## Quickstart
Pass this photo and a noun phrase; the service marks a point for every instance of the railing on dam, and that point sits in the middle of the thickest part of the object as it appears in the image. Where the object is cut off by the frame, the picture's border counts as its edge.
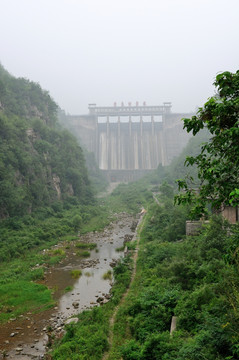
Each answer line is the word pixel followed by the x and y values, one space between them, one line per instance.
pixel 129 110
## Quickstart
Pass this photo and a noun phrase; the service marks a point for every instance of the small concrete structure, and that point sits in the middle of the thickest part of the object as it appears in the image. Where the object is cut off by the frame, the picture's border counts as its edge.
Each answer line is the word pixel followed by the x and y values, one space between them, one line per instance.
pixel 231 214
pixel 194 227
pixel 173 324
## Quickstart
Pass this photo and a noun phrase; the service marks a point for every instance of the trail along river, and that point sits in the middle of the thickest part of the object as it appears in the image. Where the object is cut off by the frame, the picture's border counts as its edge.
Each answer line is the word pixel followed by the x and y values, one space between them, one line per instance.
pixel 26 337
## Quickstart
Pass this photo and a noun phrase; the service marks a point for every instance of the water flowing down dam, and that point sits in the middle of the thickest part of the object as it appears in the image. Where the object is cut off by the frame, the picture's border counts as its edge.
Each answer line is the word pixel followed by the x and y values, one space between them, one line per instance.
pixel 129 146
pixel 129 141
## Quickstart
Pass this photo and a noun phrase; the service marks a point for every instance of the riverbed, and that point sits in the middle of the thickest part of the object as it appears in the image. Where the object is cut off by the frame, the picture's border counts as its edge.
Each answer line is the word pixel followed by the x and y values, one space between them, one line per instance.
pixel 26 337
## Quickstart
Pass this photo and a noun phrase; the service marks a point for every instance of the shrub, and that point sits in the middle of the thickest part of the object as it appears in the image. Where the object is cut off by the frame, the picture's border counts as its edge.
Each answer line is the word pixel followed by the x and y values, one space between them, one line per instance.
pixel 76 274
pixel 83 253
pixel 107 275
pixel 68 288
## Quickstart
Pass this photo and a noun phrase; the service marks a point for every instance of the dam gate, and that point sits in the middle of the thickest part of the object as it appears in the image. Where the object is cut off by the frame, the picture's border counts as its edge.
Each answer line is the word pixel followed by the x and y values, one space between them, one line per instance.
pixel 129 141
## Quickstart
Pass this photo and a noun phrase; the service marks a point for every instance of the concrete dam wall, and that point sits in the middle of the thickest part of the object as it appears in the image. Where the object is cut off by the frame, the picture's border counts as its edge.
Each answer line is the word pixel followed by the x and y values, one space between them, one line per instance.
pixel 129 146
pixel 130 141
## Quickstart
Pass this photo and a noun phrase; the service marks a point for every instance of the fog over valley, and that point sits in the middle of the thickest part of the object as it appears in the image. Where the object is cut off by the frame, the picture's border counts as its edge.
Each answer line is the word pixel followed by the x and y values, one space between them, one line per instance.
pixel 130 50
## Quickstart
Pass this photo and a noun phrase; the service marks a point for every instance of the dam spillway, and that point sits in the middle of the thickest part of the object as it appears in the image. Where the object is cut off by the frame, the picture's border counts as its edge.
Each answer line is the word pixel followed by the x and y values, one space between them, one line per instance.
pixel 129 146
pixel 129 141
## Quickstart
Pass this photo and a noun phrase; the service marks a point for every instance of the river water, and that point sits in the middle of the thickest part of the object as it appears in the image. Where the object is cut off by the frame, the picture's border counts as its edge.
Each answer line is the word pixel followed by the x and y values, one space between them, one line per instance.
pixel 26 337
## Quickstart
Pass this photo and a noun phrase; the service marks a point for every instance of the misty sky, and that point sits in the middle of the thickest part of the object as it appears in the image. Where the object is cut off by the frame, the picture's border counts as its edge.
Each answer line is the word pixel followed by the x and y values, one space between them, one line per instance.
pixel 101 51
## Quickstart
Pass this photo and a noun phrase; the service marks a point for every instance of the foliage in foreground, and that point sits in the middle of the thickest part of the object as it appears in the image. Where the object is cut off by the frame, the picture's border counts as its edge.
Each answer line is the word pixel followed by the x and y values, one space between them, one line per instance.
pixel 195 279
pixel 218 161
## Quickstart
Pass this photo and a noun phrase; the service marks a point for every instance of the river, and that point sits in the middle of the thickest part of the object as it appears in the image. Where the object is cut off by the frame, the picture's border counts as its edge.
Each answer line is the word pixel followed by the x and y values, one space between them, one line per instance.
pixel 26 337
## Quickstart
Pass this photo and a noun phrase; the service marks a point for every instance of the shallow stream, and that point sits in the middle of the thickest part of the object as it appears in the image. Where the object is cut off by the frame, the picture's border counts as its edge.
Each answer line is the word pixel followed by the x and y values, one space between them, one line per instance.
pixel 26 337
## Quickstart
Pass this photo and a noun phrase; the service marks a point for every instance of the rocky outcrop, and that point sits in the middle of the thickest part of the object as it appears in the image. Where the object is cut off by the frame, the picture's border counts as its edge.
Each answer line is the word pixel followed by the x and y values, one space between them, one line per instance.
pixel 56 183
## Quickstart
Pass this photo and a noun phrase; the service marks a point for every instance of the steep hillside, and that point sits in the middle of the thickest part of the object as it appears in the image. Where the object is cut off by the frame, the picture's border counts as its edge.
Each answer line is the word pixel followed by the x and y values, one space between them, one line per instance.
pixel 39 163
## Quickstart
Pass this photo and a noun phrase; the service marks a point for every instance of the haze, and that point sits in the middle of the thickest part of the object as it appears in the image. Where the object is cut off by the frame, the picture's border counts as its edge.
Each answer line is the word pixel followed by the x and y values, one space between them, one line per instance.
pixel 91 51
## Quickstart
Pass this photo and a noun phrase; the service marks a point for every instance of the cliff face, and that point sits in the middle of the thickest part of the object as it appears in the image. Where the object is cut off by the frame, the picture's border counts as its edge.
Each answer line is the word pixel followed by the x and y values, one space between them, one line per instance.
pixel 39 163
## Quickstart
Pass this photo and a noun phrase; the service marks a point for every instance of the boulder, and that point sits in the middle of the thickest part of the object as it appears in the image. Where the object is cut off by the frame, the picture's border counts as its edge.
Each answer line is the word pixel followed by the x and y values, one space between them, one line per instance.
pixel 71 321
pixel 75 304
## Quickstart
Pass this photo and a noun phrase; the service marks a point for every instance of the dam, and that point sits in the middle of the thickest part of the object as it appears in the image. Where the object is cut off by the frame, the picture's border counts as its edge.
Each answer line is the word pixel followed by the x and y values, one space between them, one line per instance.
pixel 130 140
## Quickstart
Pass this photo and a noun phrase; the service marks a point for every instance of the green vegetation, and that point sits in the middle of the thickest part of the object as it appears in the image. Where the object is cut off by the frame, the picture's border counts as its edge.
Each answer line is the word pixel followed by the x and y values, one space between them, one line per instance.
pixel 26 246
pixel 129 198
pixel 132 245
pixel 46 198
pixel 88 274
pixel 20 296
pixel 45 228
pixel 68 288
pixel 26 242
pixel 119 249
pixel 176 169
pixel 45 192
pixel 76 274
pixel 60 252
pixel 107 275
pixel 83 253
pixel 89 246
pixel 40 163
pixel 194 279
pixel 218 162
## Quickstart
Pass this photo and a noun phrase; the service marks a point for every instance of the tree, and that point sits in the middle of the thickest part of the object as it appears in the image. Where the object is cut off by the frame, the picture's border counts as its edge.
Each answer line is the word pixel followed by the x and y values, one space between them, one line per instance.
pixel 218 161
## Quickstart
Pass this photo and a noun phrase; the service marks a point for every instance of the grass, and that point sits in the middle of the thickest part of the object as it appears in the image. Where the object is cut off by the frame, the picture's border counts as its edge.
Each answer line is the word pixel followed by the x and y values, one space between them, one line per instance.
pixel 84 254
pixel 20 296
pixel 121 330
pixel 131 245
pixel 70 237
pixel 99 222
pixel 88 246
pixel 59 252
pixel 54 260
pixel 76 274
pixel 107 275
pixel 68 288
pixel 88 274
pixel 35 274
pixel 120 249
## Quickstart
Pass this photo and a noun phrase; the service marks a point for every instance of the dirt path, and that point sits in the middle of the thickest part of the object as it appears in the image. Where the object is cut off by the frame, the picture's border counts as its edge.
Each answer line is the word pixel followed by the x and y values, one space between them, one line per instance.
pixel 135 257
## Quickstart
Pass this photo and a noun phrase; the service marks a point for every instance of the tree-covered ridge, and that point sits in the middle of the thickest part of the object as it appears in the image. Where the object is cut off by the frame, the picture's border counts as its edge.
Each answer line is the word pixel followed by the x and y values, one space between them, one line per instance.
pixel 25 98
pixel 39 163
